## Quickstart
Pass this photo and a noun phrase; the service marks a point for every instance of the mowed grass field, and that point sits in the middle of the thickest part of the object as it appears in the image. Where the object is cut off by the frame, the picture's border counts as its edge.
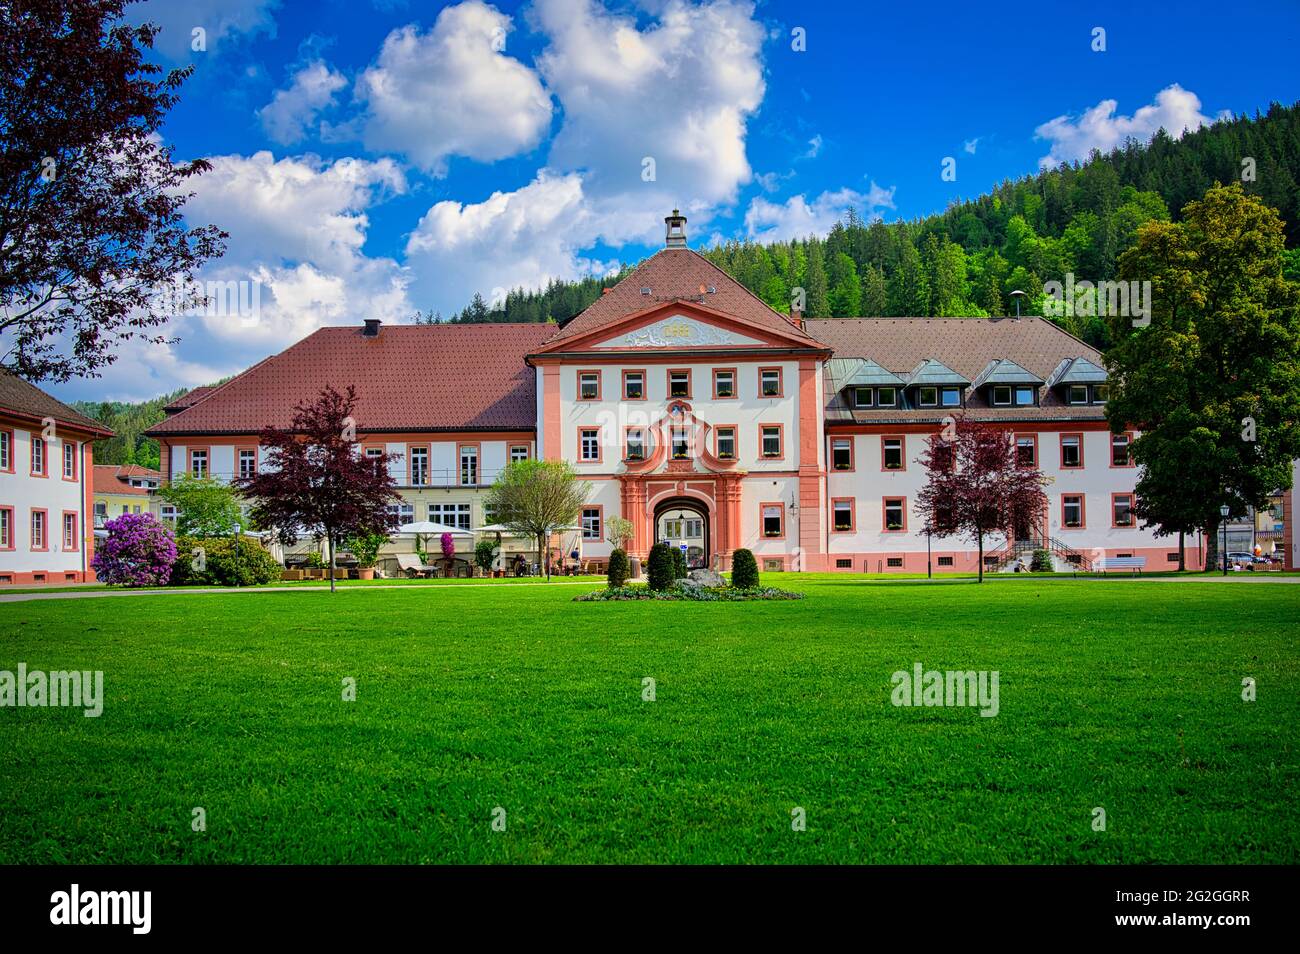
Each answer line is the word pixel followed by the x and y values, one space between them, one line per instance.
pixel 1120 695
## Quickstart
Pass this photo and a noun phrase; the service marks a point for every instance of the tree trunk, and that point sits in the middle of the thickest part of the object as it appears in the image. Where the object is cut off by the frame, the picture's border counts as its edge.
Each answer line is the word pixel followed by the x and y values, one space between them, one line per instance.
pixel 540 555
pixel 1182 555
pixel 331 539
pixel 980 538
pixel 1212 557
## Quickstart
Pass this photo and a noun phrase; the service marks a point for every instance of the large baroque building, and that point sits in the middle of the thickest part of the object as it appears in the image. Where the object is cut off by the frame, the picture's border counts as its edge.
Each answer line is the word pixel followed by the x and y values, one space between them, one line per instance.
pixel 709 420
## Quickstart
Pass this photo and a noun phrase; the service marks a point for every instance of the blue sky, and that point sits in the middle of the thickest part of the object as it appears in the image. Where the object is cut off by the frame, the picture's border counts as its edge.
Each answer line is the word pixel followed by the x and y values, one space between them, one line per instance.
pixel 372 157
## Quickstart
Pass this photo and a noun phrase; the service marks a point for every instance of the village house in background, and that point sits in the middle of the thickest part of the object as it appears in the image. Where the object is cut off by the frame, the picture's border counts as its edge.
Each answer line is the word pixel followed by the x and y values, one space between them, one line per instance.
pixel 127 488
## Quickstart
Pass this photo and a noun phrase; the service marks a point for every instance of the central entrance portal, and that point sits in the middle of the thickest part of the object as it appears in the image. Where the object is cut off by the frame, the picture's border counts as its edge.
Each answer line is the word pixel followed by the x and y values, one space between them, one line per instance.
pixel 681 522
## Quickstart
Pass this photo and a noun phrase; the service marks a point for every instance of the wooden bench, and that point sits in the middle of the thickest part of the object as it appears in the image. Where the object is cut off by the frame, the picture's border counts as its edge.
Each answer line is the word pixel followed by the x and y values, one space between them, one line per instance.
pixel 1136 564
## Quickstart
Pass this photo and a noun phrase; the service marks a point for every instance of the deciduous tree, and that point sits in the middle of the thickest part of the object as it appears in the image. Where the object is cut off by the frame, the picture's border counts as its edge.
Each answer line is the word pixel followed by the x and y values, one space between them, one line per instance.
pixel 317 482
pixel 91 225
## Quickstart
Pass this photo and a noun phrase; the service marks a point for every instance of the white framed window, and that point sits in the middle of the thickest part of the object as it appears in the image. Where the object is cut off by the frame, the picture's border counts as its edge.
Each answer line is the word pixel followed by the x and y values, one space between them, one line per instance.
pixel 842 515
pixel 679 384
pixel 636 444
pixel 952 397
pixel 1002 396
pixel 247 463
pixel 404 512
pixel 842 453
pixel 1025 395
pixel 518 452
pixel 769 382
pixel 468 465
pixel 198 463
pixel 895 513
pixel 6 450
pixel 69 531
pixel 633 385
pixel 1076 394
pixel 419 466
pixel 452 514
pixel 591 523
pixel 69 460
pixel 38 456
pixel 681 444
pixel 773 520
pixel 589 386
pixel 891 450
pixel 927 397
pixel 590 441
pixel 727 443
pixel 886 397
pixel 864 397
pixel 771 441
pixel 724 383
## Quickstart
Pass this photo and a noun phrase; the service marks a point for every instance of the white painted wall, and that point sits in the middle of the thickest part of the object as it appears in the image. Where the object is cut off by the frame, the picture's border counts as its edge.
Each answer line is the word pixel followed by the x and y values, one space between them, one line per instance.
pixel 52 493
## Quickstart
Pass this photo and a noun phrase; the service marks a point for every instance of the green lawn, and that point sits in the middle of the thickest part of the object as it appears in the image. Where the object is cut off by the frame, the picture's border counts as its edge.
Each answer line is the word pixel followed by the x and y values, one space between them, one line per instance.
pixel 1114 694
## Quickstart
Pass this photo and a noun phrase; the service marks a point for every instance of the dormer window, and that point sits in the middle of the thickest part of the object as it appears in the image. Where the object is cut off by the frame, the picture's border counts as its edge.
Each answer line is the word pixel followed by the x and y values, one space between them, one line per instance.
pixel 927 397
pixel 863 397
pixel 1004 395
pixel 951 397
pixel 886 397
pixel 1085 394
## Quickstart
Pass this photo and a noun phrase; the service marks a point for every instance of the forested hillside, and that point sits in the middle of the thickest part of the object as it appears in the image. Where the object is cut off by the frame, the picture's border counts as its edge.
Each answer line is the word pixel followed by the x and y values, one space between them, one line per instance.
pixel 967 260
pixel 128 422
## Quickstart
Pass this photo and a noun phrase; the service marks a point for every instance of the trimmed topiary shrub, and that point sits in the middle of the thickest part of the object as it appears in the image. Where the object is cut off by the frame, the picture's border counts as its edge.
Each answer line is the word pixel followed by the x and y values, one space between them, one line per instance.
pixel 619 569
pixel 216 564
pixel 660 572
pixel 1041 561
pixel 679 564
pixel 139 551
pixel 485 552
pixel 744 570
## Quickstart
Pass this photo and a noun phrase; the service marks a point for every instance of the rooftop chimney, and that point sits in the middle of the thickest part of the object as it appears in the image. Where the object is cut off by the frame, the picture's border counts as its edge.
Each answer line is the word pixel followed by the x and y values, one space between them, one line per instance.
pixel 676 237
pixel 796 316
pixel 371 329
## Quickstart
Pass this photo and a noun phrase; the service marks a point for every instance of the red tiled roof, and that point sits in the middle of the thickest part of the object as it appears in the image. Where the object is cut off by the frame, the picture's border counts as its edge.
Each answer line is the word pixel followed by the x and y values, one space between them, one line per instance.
pixel 678 274
pixel 112 478
pixel 23 399
pixel 966 345
pixel 190 398
pixel 407 378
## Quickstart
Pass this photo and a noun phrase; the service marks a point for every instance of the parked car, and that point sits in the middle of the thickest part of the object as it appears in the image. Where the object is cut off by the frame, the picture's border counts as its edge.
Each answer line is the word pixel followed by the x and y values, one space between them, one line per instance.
pixel 1244 560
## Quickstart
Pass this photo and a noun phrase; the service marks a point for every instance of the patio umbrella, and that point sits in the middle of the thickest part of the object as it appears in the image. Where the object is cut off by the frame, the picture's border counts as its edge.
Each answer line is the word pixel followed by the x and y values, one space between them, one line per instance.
pixel 497 528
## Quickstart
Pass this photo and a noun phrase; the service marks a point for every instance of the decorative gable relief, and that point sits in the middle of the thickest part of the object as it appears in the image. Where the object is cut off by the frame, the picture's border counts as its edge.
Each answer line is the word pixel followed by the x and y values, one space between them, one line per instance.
pixel 678 331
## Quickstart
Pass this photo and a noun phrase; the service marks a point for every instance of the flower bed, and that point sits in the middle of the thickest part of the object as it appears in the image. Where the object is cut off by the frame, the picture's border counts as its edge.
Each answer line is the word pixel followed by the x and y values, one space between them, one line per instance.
pixel 694 594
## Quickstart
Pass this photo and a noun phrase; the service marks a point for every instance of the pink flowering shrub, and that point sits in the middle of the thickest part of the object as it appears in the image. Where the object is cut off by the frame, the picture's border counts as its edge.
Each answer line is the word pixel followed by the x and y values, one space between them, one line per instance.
pixel 139 551
pixel 448 546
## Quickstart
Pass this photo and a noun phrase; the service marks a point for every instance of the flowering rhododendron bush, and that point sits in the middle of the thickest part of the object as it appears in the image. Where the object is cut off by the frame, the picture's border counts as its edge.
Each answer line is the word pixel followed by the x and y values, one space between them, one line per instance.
pixel 139 551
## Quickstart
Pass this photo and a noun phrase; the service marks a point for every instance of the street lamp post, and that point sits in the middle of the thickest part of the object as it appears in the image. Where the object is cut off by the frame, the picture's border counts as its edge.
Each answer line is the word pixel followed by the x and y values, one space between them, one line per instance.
pixel 1223 514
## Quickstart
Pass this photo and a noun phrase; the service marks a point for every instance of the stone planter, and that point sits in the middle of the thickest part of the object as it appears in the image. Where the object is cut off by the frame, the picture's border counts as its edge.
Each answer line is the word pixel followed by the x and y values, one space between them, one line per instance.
pixel 365 573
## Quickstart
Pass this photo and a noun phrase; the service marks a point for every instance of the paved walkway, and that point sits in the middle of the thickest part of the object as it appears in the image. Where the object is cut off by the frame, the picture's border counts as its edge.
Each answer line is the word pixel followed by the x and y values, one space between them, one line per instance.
pixel 186 591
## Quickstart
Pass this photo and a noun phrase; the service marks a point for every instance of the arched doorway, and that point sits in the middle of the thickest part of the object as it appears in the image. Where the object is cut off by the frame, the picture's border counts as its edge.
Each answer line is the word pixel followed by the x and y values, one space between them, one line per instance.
pixel 682 520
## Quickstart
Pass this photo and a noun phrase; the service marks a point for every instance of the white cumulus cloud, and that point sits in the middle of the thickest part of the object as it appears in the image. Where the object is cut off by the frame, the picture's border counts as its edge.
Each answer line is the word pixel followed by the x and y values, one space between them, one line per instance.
pixel 767 221
pixel 452 91
pixel 677 91
pixel 522 238
pixel 1175 110
pixel 220 20
pixel 292 110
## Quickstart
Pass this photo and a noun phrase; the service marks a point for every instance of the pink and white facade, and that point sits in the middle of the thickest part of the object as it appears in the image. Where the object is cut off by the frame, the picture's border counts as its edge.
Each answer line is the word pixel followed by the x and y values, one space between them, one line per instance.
pixel 46 486
pixel 711 421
